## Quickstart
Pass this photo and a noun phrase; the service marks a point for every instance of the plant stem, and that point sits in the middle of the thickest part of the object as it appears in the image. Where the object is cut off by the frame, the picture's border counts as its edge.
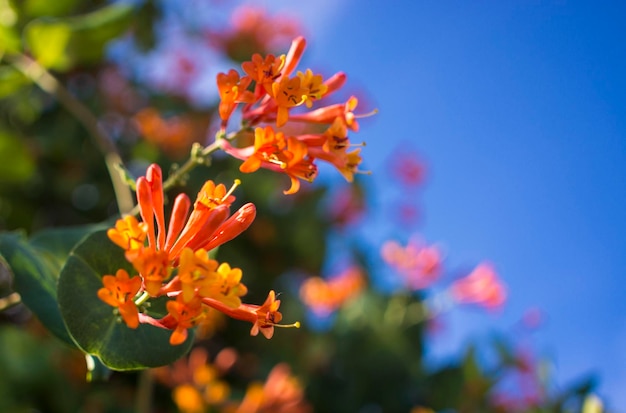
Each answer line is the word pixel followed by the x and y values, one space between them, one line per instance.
pixel 143 398
pixel 198 156
pixel 48 83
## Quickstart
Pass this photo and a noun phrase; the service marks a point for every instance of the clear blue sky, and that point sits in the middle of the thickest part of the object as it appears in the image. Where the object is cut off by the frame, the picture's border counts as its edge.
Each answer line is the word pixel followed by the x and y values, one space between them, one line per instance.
pixel 519 109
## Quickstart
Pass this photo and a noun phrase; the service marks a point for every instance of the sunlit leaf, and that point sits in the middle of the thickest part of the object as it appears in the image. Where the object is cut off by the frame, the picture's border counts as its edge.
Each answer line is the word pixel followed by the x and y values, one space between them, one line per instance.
pixel 93 324
pixel 34 278
pixel 48 42
pixel 62 43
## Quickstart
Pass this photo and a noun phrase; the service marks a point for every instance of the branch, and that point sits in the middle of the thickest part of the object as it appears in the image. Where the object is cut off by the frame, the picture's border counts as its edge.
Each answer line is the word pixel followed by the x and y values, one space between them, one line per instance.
pixel 48 83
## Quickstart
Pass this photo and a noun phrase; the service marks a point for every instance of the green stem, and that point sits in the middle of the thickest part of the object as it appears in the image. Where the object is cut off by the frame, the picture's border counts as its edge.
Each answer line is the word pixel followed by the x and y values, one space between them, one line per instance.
pixel 42 78
pixel 199 156
pixel 143 398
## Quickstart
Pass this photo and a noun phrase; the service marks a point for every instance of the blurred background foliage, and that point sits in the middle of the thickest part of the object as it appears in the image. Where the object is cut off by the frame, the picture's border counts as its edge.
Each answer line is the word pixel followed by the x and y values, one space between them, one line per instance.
pixel 366 354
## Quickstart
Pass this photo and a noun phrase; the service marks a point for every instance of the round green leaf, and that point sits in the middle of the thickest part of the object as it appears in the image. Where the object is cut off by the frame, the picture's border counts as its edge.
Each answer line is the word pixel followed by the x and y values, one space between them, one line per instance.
pixel 92 323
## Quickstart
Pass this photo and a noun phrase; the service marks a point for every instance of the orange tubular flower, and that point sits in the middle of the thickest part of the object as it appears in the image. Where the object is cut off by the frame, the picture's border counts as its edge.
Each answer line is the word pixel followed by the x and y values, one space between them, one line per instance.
pixel 128 233
pixel 482 287
pixel 272 151
pixel 232 90
pixel 263 318
pixel 315 86
pixel 181 250
pixel 287 93
pixel 119 291
pixel 182 316
pixel 264 71
pixel 328 114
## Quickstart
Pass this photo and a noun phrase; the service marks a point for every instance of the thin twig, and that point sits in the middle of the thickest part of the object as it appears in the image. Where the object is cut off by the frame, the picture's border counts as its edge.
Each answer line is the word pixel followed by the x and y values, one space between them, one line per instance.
pixel 9 301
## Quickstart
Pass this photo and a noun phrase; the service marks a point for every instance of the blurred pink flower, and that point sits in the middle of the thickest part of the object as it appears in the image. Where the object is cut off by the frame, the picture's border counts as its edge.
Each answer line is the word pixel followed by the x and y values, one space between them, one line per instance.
pixel 482 287
pixel 418 264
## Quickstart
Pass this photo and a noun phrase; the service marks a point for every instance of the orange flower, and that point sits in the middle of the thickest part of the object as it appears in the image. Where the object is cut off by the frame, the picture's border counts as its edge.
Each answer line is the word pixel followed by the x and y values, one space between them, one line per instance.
pixel 287 93
pixel 314 84
pixel 272 151
pixel 263 318
pixel 153 266
pixel 128 233
pixel 326 296
pixel 264 71
pixel 196 272
pixel 482 287
pixel 119 291
pixel 232 90
pixel 182 316
pixel 328 114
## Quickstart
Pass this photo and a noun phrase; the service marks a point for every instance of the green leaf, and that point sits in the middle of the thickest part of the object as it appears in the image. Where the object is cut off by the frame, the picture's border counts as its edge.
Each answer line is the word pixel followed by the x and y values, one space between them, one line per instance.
pixel 93 324
pixel 37 8
pixel 62 43
pixel 48 42
pixel 57 243
pixel 35 280
pixel 9 40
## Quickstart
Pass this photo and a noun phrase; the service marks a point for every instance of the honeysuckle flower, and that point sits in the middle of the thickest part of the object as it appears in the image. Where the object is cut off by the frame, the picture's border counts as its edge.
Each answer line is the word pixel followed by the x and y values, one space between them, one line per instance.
pixel 119 291
pixel 264 71
pixel 482 287
pixel 287 93
pixel 181 317
pixel 314 85
pixel 263 317
pixel 128 233
pixel 196 272
pixel 273 151
pixel 328 114
pixel 154 267
pixel 232 90
pixel 180 250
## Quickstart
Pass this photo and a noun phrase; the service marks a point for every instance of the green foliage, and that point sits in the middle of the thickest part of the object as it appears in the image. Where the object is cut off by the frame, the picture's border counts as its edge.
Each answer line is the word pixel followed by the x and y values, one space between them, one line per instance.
pixel 35 278
pixel 92 323
pixel 62 43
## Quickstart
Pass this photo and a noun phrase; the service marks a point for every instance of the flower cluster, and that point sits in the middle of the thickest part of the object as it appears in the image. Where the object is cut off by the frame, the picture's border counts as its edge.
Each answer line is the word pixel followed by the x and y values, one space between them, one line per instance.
pixel 419 266
pixel 273 100
pixel 176 264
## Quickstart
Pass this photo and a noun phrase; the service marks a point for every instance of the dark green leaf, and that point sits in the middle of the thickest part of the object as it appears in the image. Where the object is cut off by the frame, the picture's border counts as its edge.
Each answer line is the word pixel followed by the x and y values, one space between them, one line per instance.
pixel 35 281
pixel 93 324
pixel 57 243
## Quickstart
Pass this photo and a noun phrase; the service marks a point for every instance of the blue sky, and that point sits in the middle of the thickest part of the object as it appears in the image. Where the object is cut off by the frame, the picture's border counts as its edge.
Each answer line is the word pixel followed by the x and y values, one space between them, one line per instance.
pixel 519 109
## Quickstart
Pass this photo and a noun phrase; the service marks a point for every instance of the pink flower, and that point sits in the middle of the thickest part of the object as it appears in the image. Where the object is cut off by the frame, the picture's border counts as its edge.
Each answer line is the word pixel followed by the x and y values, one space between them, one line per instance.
pixel 482 287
